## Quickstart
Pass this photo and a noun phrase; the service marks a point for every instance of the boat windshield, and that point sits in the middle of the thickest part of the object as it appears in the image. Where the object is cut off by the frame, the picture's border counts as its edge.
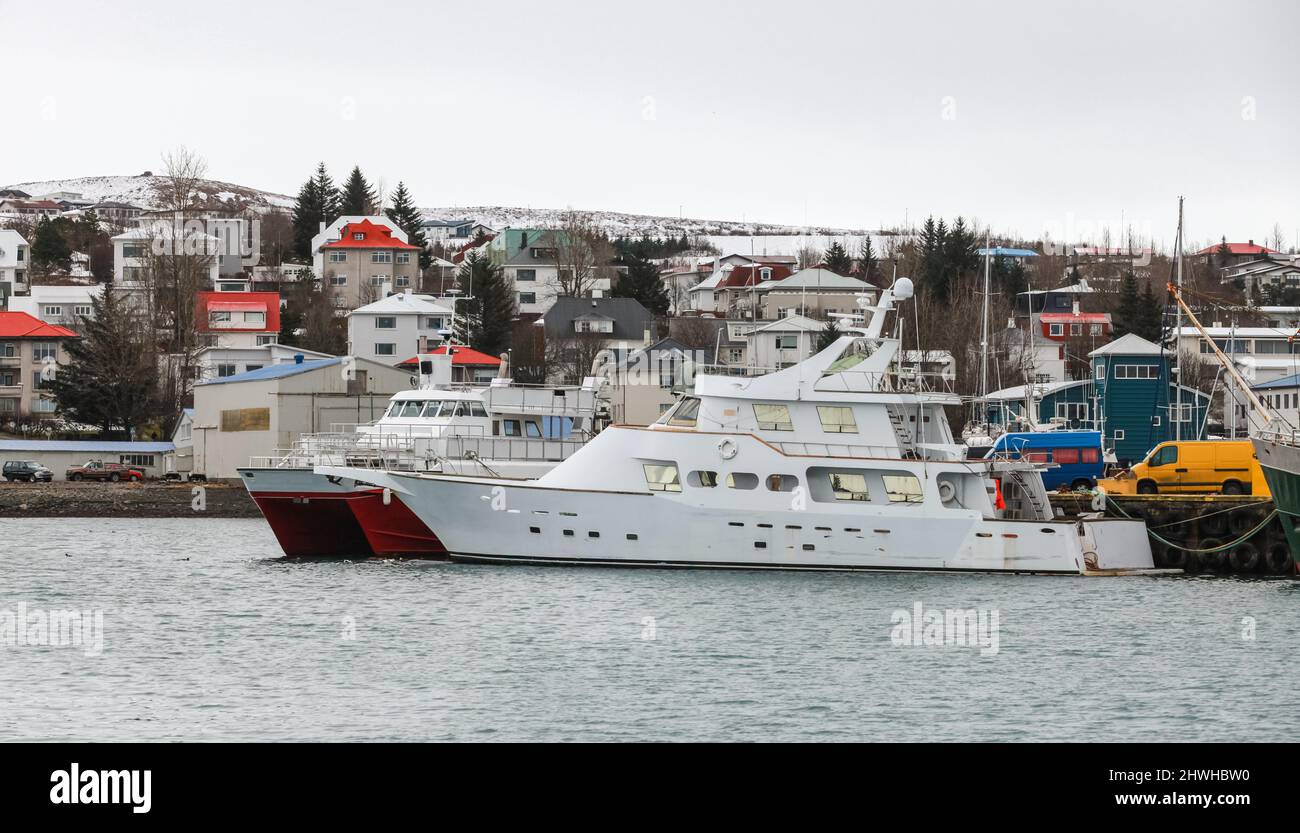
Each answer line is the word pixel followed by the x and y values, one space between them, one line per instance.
pixel 856 353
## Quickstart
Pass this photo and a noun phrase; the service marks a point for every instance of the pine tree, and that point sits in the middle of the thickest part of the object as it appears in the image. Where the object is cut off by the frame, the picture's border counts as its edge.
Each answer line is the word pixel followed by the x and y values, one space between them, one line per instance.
pixel 826 337
pixel 110 379
pixel 491 315
pixel 318 202
pixel 1225 253
pixel 837 260
pixel 866 260
pixel 50 250
pixel 358 198
pixel 407 217
pixel 1128 315
pixel 1151 316
pixel 642 282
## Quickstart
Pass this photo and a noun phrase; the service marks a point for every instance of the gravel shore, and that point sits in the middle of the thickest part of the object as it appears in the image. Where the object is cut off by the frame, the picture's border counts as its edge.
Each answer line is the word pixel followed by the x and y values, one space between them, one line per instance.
pixel 148 499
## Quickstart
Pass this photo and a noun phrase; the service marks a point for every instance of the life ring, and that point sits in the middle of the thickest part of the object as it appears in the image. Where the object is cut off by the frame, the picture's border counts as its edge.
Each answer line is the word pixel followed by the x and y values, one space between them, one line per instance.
pixel 947 492
pixel 727 449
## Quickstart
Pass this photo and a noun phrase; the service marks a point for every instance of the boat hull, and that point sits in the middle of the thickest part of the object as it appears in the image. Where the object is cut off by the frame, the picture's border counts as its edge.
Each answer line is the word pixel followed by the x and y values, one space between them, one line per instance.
pixel 315 516
pixel 482 520
pixel 1281 466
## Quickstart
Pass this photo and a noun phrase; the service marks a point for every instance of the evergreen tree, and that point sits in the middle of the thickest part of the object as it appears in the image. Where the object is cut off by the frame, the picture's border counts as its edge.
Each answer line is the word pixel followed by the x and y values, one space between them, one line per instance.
pixel 1224 253
pixel 866 260
pixel 932 251
pixel 642 283
pixel 50 250
pixel 1151 316
pixel 826 337
pixel 1128 315
pixel 407 217
pixel 318 202
pixel 110 379
pixel 489 324
pixel 358 197
pixel 837 259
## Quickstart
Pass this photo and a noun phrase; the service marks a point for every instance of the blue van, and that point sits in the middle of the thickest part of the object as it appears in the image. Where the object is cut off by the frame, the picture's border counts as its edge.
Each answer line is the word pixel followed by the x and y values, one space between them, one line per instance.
pixel 1076 455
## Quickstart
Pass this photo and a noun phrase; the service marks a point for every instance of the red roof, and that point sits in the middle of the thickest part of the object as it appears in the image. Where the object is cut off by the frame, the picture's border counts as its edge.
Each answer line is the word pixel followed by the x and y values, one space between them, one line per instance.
pixel 1251 248
pixel 745 275
pixel 232 302
pixel 22 325
pixel 373 236
pixel 473 244
pixel 460 356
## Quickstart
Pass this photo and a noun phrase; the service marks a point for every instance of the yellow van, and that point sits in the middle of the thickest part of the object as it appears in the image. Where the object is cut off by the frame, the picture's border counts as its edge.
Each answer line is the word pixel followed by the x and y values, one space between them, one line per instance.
pixel 1225 467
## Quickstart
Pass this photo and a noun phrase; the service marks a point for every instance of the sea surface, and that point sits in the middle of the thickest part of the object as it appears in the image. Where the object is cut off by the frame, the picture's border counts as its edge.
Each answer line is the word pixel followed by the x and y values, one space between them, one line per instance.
pixel 208 635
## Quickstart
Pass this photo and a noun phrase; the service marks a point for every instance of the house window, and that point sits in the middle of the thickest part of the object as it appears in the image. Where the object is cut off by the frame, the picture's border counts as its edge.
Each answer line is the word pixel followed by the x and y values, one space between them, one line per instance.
pixel 264 340
pixel 1094 329
pixel 526 275
pixel 338 280
pixel 358 235
pixel 378 280
pixel 132 250
pixel 790 342
pixel 402 280
pixel 527 297
pixel 1181 414
pixel 82 310
pixel 338 257
pixel 8 350
pixel 218 317
pixel 381 257
pixel 1137 371
pixel 433 323
pixel 45 351
pixel 224 370
pixel 773 418
pixel 1055 329
pixel 403 257
pixel 661 477
pixel 44 406
pixel 1072 411
pixel 249 368
pixel 837 420
pixel 735 355
pixel 145 460
pixel 385 322
pixel 254 318
pixel 1076 329
pixel 385 349
pixel 54 312
pixel 1119 434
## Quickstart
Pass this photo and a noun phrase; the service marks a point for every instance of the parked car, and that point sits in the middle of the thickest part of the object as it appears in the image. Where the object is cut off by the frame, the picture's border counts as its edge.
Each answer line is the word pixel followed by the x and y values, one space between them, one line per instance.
pixel 99 470
pixel 1228 467
pixel 28 470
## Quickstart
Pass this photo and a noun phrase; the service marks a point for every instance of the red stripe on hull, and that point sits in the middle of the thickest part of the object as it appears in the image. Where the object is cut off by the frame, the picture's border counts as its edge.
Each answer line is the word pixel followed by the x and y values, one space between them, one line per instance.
pixel 394 529
pixel 319 524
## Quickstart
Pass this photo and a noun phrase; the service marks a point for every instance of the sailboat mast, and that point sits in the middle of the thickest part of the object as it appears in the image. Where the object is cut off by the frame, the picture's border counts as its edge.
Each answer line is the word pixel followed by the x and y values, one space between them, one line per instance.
pixel 984 331
pixel 1178 328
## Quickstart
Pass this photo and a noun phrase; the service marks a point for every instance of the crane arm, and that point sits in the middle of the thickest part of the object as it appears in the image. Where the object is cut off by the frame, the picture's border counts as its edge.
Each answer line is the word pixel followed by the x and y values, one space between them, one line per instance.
pixel 1228 365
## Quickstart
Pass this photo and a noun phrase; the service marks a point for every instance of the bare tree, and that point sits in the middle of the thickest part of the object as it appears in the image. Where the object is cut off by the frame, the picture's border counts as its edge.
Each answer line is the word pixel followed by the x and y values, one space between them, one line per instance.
pixel 179 189
pixel 808 257
pixel 582 254
pixel 570 360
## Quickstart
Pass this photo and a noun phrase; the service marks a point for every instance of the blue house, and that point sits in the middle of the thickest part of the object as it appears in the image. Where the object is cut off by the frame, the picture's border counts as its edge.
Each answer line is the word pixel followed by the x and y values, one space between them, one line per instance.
pixel 1066 404
pixel 1137 404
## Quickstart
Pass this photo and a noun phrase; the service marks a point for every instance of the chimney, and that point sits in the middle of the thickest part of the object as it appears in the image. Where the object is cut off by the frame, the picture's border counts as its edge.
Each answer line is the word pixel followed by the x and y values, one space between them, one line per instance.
pixel 1250 242
pixel 1075 307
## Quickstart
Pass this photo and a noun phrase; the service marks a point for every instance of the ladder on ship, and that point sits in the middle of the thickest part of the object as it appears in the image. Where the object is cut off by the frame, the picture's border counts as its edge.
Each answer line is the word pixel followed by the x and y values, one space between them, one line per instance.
pixel 901 432
pixel 1030 495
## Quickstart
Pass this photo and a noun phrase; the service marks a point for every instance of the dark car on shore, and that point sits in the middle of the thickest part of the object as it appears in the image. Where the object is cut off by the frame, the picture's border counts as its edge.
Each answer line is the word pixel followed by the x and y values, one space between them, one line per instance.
pixel 98 470
pixel 27 470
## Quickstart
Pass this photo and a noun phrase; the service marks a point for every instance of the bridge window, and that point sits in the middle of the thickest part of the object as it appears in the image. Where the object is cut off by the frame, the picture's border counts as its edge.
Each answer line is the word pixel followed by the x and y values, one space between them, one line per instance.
pixel 686 413
pixel 837 420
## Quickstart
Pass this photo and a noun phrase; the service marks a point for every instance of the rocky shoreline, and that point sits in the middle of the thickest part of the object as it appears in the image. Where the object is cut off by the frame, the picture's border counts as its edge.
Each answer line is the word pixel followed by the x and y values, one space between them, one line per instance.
pixel 149 499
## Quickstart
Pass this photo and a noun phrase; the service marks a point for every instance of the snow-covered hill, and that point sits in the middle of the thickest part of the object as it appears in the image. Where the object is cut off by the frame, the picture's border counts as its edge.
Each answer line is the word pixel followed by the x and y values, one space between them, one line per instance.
pixel 139 190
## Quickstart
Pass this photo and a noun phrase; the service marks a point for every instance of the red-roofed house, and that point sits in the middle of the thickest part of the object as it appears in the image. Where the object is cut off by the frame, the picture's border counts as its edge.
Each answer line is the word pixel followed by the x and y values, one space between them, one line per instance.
pixel 31 208
pixel 467 364
pixel 1058 326
pixel 367 262
pixel 1238 253
pixel 30 350
pixel 237 319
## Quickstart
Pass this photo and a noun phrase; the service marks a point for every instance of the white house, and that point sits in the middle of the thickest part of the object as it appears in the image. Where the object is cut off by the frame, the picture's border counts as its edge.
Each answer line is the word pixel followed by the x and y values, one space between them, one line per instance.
pixel 62 305
pixel 257 414
pixel 15 254
pixel 334 231
pixel 785 342
pixel 390 330
pixel 131 250
pixel 221 362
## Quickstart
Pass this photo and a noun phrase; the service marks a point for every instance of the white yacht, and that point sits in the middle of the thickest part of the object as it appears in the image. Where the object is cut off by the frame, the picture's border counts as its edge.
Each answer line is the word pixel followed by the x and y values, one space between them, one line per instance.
pixel 844 461
pixel 501 430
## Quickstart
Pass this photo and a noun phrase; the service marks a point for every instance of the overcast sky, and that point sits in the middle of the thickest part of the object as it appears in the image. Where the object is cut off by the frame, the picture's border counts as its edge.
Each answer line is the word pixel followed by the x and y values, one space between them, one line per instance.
pixel 1027 116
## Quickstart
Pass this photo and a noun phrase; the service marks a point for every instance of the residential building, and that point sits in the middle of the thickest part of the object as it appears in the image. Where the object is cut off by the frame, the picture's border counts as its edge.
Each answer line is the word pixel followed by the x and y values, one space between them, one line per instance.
pixel 1138 406
pixel 782 343
pixel 468 366
pixel 1271 274
pixel 367 262
pixel 64 305
pixel 452 233
pixel 639 385
pixel 731 291
pixel 60 455
pixel 1262 354
pixel 1282 396
pixel 15 255
pixel 529 260
pixel 30 208
pixel 814 293
pixel 403 324
pixel 222 362
pixel 261 414
pixel 333 232
pixel 1237 254
pixel 116 213
pixel 237 319
pixel 30 353
pixel 619 323
pixel 132 250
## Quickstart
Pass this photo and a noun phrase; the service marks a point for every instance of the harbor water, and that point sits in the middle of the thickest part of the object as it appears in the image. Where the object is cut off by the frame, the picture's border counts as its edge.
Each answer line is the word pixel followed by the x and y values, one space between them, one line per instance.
pixel 207 634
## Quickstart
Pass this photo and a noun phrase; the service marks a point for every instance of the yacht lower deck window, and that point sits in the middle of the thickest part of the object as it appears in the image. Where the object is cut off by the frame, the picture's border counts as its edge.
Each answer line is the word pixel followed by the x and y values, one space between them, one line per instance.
pixel 661 477
pixel 782 482
pixel 703 479
pixel 849 486
pixel 903 488
pixel 837 420
pixel 742 480
pixel 773 418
